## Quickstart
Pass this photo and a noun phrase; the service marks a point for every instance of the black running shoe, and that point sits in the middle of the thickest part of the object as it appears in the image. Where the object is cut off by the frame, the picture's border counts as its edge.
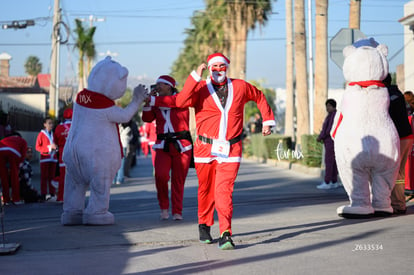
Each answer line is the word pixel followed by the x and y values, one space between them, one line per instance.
pixel 400 211
pixel 204 231
pixel 225 241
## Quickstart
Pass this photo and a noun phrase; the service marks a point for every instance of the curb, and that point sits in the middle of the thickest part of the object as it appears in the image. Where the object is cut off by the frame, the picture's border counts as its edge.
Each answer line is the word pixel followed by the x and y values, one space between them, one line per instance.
pixel 313 171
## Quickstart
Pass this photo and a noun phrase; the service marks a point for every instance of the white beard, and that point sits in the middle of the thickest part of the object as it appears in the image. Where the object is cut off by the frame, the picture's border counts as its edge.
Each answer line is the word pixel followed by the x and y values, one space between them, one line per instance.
pixel 218 77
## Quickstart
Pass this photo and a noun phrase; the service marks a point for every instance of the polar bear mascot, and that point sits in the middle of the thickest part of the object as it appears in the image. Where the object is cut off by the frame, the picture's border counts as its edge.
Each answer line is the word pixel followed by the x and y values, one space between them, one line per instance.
pixel 366 141
pixel 93 153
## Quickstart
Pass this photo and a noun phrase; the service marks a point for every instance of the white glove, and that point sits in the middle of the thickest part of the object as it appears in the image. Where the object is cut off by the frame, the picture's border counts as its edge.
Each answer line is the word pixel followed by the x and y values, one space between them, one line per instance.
pixel 140 93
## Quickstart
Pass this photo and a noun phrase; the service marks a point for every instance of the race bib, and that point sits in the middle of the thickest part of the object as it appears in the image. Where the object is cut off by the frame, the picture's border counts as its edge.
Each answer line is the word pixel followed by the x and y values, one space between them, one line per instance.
pixel 220 148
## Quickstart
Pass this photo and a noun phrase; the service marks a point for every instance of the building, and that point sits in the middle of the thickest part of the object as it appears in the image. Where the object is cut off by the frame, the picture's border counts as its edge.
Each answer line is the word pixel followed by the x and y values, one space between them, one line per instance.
pixel 408 22
pixel 24 99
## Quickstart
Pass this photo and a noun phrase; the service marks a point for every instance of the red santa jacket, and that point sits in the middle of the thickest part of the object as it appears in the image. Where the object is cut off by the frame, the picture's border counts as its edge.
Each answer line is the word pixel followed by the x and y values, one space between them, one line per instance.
pixel 15 144
pixel 171 122
pixel 43 142
pixel 150 132
pixel 142 134
pixel 213 122
pixel 60 135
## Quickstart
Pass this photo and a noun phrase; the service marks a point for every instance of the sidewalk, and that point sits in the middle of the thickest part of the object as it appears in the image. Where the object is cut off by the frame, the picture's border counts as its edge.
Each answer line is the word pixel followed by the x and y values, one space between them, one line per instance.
pixel 282 224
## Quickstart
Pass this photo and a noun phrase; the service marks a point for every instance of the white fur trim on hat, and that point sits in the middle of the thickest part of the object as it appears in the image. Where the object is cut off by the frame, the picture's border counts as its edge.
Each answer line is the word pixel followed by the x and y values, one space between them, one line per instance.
pixel 167 80
pixel 217 57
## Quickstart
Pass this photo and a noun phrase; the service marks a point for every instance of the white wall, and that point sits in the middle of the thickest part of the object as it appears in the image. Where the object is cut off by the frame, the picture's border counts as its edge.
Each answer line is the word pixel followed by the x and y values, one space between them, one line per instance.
pixel 29 102
pixel 409 50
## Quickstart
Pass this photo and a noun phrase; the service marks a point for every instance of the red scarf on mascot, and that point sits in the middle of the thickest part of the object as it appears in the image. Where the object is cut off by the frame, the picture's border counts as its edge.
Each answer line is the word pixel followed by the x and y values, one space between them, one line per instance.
pixel 363 84
pixel 95 100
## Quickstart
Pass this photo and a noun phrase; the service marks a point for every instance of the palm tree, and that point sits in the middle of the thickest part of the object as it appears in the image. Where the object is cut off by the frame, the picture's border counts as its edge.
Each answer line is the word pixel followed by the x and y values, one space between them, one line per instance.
pixel 90 54
pixel 33 66
pixel 86 47
pixel 321 63
pixel 223 27
pixel 289 114
pixel 302 99
pixel 206 36
pixel 355 14
pixel 242 16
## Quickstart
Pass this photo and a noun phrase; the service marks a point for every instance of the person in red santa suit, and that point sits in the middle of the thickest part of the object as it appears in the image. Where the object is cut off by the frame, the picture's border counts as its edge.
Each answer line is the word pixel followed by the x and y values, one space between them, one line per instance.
pixel 59 136
pixel 12 152
pixel 219 106
pixel 173 145
pixel 151 132
pixel 46 146
pixel 143 140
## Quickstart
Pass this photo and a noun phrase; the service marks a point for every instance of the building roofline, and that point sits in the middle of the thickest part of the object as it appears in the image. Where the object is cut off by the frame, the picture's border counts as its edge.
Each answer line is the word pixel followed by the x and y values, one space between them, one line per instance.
pixel 407 20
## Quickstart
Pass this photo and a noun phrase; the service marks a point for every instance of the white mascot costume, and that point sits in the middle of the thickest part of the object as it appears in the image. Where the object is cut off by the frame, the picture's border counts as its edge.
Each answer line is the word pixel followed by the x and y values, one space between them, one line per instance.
pixel 92 152
pixel 366 141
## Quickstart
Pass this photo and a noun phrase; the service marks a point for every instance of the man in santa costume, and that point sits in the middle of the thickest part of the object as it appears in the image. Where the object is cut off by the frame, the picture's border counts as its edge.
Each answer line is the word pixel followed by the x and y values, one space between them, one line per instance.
pixel 60 135
pixel 12 152
pixel 173 145
pixel 219 106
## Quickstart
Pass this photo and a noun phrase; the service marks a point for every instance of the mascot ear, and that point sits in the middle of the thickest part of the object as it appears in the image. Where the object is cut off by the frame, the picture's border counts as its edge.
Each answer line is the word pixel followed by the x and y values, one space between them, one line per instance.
pixel 348 50
pixel 123 72
pixel 383 49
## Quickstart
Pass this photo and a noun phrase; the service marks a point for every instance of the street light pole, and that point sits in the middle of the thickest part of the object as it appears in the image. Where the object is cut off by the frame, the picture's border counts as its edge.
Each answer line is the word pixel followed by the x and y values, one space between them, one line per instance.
pixel 58 39
pixel 19 24
pixel 54 65
pixel 96 19
pixel 310 76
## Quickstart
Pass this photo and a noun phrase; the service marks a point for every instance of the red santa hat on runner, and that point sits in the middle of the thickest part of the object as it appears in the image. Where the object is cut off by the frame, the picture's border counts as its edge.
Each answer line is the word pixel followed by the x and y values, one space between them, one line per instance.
pixel 217 57
pixel 167 80
pixel 67 114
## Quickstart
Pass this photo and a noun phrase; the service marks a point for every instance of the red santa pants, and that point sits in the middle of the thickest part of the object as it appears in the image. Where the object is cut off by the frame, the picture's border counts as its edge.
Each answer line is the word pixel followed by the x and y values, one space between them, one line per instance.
pixel 144 148
pixel 62 173
pixel 178 163
pixel 10 158
pixel 47 174
pixel 215 190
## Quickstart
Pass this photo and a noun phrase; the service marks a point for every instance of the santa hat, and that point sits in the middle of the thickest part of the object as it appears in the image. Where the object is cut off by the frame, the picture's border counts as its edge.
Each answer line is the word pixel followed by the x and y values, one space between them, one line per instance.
pixel 167 80
pixel 217 57
pixel 67 114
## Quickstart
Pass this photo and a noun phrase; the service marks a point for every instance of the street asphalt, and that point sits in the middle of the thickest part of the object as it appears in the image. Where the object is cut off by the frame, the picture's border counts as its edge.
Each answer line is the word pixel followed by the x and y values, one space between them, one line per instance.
pixel 282 224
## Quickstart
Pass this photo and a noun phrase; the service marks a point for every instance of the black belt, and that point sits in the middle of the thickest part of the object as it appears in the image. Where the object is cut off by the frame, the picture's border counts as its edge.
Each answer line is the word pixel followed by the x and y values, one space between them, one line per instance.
pixel 172 138
pixel 210 140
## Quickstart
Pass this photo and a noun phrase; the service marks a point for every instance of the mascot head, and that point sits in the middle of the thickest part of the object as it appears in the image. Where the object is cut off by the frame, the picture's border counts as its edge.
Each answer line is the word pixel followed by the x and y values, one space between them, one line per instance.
pixel 109 78
pixel 365 60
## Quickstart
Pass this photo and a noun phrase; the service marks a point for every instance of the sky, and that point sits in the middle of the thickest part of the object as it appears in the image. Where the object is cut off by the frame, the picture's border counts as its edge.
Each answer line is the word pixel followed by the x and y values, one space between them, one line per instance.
pixel 147 36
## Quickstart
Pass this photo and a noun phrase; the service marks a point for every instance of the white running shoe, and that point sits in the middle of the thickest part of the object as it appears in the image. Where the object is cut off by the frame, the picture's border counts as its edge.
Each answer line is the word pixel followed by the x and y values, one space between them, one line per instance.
pixel 334 185
pixel 51 198
pixel 177 217
pixel 164 214
pixel 324 185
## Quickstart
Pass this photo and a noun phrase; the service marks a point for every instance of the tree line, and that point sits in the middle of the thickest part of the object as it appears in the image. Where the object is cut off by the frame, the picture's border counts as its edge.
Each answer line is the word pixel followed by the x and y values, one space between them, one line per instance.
pixel 223 26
